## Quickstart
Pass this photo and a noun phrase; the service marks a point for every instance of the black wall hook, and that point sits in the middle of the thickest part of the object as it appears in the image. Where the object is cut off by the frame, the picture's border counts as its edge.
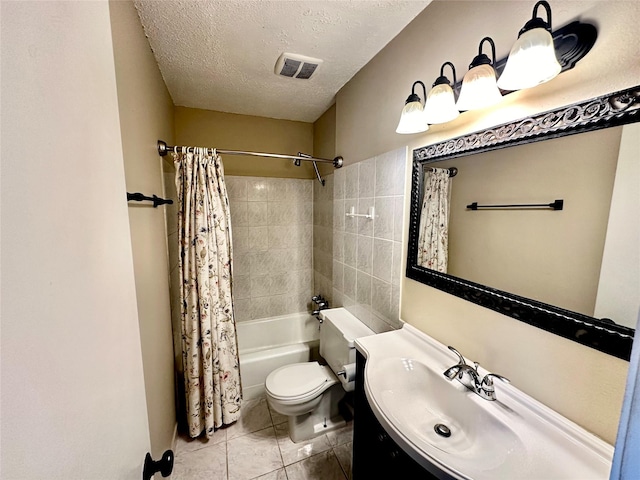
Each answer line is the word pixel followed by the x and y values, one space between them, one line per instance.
pixel 138 197
pixel 164 465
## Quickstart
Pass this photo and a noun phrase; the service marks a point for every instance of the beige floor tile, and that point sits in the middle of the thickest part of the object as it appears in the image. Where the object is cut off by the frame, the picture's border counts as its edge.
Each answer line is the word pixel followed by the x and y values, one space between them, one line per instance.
pixel 253 454
pixel 254 416
pixel 187 444
pixel 205 464
pixel 323 466
pixel 294 452
pixel 341 436
pixel 345 457
pixel 277 475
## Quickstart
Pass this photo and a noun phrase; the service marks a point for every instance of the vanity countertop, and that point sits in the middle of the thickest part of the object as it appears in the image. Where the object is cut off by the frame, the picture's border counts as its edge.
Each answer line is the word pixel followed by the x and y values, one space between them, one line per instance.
pixel 514 436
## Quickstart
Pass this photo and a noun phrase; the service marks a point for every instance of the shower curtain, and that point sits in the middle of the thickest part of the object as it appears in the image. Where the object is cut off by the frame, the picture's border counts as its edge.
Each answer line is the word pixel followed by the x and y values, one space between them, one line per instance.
pixel 209 345
pixel 433 237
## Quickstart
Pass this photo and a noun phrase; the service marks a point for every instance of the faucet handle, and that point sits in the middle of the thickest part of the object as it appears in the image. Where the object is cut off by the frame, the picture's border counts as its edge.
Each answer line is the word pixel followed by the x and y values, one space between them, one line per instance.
pixel 460 357
pixel 487 380
pixel 488 390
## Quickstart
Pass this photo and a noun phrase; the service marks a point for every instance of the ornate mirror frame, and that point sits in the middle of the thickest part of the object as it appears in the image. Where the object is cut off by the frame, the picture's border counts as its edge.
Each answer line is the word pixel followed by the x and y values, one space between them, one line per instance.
pixel 602 112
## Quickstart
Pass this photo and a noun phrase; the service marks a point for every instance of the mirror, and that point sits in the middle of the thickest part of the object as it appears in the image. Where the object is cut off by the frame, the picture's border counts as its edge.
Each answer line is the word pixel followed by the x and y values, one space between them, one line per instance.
pixel 549 268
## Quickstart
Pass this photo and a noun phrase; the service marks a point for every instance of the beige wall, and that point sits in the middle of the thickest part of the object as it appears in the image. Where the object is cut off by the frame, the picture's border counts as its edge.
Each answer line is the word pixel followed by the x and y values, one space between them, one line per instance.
pixel 367 111
pixel 324 138
pixel 73 400
pixel 368 107
pixel 206 128
pixel 146 114
pixel 561 251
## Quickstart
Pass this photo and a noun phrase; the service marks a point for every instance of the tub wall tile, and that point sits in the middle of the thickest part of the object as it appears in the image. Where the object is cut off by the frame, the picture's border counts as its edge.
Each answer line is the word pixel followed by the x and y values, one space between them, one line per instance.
pixel 367 254
pixel 272 221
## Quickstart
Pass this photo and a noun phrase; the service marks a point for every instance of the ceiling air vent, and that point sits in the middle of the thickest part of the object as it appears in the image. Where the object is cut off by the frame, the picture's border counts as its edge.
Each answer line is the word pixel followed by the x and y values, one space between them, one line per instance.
pixel 298 66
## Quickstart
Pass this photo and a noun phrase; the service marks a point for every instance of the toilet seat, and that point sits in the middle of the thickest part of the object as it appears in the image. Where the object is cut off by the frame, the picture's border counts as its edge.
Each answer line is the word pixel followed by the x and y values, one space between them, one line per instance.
pixel 299 381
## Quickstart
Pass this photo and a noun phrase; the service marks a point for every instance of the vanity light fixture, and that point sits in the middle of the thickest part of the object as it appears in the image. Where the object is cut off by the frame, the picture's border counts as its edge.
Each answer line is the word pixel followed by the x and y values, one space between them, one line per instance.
pixel 479 88
pixel 412 119
pixel 532 59
pixel 440 106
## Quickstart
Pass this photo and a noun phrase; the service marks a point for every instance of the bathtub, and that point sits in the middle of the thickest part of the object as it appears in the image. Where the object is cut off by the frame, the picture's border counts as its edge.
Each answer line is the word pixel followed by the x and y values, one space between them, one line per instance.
pixel 268 343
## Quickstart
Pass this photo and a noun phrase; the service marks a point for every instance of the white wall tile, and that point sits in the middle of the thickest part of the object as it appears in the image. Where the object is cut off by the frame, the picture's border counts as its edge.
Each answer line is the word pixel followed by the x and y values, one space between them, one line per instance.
pixel 382 259
pixel 385 174
pixel 338 273
pixel 398 218
pixel 383 224
pixel 366 178
pixel 257 214
pixel 396 266
pixel 236 188
pixel 351 181
pixel 373 267
pixel 238 213
pixel 350 249
pixel 338 183
pixel 240 239
pixel 363 288
pixel 338 215
pixel 258 239
pixel 349 280
pixel 256 189
pixel 364 255
pixel 365 225
pixel 381 297
pixel 241 287
pixel 338 246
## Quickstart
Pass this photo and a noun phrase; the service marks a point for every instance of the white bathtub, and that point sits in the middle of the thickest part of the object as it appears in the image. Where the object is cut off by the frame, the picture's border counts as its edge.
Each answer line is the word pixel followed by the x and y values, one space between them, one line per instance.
pixel 268 343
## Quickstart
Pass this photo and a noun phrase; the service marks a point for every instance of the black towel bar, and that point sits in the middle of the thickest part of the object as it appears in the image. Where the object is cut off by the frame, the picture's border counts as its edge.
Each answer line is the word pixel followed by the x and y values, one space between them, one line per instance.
pixel 138 197
pixel 556 205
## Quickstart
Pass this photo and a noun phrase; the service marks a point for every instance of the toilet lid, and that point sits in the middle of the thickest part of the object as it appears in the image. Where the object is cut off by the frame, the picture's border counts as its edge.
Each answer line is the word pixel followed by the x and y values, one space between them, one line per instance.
pixel 296 380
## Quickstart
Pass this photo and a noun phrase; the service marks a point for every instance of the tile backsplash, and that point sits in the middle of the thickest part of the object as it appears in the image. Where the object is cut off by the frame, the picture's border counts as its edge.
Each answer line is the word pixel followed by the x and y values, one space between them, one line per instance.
pixel 272 231
pixel 367 253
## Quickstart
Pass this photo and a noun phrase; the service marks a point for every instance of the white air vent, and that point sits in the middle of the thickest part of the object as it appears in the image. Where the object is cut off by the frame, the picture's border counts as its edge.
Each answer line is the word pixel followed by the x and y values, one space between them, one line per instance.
pixel 296 66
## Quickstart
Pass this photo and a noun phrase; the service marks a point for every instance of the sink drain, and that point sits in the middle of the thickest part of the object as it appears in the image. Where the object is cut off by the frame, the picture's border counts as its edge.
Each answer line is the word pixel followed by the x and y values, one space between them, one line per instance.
pixel 442 430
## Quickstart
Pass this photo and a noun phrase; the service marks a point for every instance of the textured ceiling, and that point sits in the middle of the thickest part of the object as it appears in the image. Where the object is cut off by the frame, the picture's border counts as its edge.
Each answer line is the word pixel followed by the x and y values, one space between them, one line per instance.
pixel 220 54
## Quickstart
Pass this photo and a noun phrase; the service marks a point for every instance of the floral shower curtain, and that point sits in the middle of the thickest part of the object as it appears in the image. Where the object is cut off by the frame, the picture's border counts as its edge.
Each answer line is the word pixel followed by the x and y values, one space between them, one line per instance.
pixel 433 237
pixel 209 345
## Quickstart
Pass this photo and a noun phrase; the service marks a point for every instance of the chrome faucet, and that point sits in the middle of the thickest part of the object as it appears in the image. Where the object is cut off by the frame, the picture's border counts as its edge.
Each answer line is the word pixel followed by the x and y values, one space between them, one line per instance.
pixel 470 378
pixel 321 303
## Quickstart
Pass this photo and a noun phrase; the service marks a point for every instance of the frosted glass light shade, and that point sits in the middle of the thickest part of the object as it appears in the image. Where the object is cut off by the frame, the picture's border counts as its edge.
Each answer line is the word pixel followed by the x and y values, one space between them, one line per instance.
pixel 412 119
pixel 532 61
pixel 479 89
pixel 441 105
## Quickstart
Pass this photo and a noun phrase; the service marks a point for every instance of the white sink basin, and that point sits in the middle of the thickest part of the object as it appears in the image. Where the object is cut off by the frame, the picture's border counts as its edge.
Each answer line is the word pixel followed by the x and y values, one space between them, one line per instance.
pixel 513 437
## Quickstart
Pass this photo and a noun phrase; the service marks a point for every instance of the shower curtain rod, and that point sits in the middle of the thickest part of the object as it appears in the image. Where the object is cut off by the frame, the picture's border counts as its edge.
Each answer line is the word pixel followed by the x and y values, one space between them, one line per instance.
pixel 453 171
pixel 163 149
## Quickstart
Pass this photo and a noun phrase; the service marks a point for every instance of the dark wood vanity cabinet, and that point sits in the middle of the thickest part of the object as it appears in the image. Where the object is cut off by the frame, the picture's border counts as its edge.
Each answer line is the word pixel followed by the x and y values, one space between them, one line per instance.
pixel 375 454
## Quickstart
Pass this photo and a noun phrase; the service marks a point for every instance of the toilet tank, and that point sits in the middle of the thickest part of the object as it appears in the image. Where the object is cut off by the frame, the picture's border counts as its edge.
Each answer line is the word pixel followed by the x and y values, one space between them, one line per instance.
pixel 337 334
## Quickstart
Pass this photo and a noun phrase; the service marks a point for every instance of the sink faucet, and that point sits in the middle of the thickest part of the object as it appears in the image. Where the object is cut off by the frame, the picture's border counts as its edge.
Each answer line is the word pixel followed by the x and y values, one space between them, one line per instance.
pixel 470 378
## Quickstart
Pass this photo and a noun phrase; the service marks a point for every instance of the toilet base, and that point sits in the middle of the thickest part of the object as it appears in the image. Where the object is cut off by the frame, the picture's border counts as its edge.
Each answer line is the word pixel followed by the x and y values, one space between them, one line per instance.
pixel 301 433
pixel 323 419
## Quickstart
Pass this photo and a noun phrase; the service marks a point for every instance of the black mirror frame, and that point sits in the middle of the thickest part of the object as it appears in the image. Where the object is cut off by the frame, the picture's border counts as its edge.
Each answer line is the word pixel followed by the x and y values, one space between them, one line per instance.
pixel 601 112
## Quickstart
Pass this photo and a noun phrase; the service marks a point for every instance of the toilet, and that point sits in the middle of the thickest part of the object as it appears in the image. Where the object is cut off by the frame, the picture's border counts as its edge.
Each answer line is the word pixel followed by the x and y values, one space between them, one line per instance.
pixel 308 393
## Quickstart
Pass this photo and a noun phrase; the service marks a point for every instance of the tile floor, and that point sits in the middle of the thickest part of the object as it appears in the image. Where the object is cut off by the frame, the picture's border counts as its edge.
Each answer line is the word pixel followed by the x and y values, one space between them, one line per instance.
pixel 258 447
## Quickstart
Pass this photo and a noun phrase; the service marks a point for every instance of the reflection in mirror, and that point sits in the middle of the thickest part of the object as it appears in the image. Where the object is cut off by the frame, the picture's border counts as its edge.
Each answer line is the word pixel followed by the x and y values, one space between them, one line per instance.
pixel 551 256
pixel 433 237
pixel 561 268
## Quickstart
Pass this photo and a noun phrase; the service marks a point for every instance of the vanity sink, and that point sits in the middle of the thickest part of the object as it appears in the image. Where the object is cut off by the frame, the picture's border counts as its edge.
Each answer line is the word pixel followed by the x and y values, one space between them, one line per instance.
pixel 423 401
pixel 454 433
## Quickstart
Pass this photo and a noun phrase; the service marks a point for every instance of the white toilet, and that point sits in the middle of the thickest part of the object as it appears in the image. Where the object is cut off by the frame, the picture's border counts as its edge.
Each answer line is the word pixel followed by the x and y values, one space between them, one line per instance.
pixel 308 393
